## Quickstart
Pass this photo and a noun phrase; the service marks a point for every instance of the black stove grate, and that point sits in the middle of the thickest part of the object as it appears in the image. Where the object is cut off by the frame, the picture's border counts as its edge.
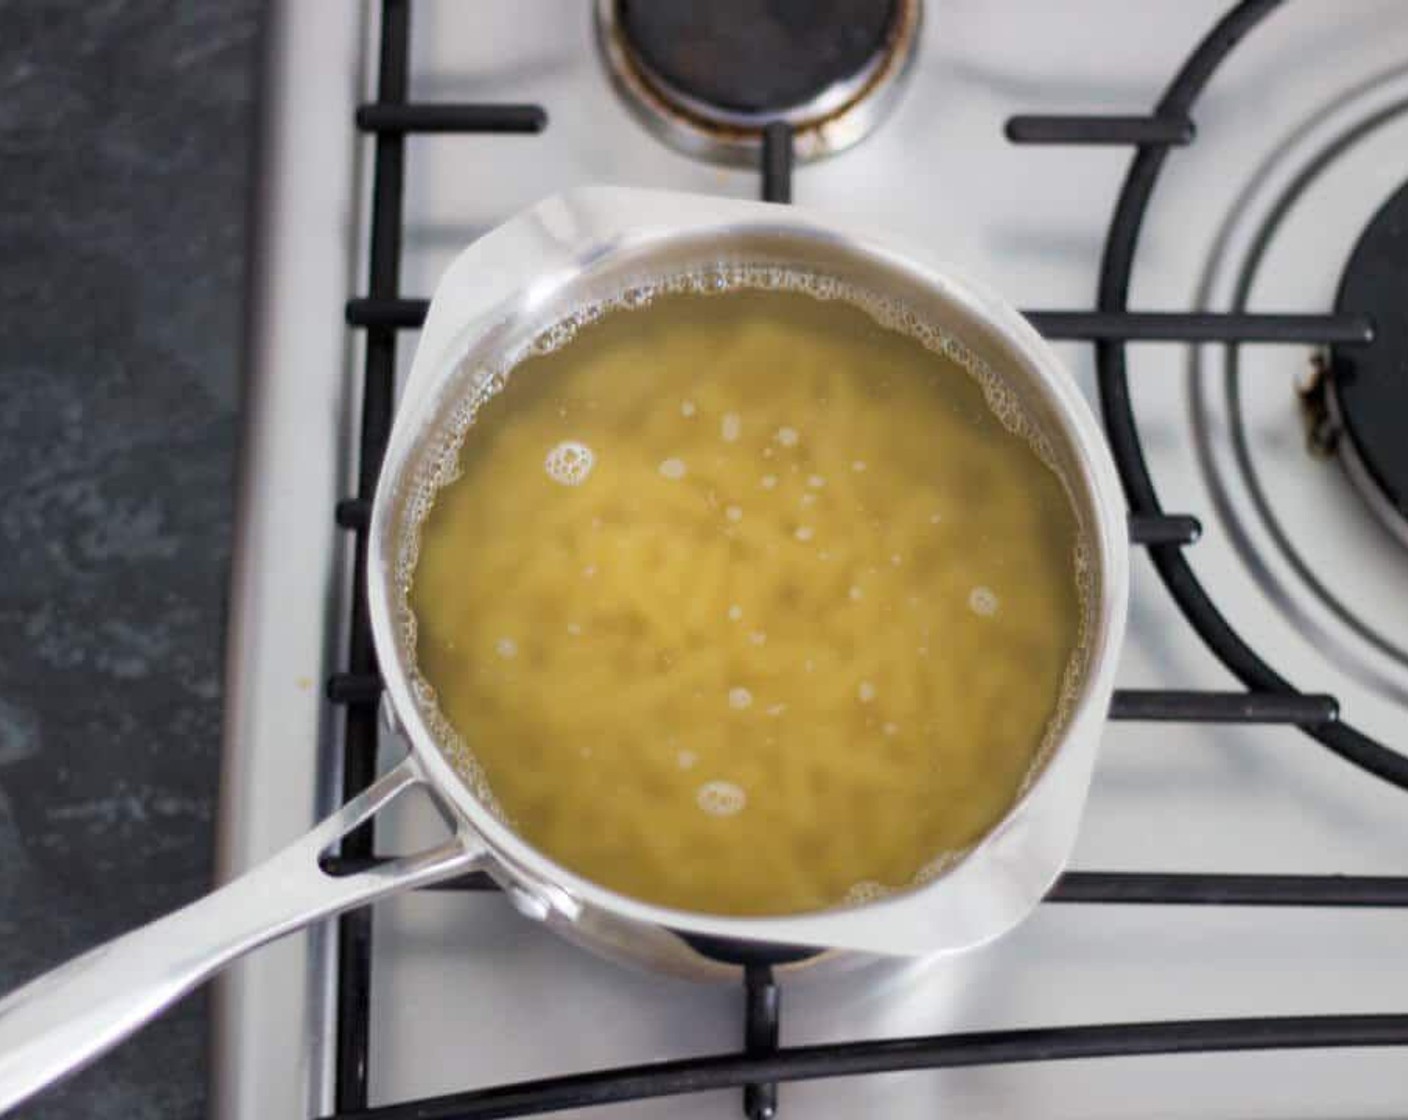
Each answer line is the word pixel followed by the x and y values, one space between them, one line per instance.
pixel 1269 698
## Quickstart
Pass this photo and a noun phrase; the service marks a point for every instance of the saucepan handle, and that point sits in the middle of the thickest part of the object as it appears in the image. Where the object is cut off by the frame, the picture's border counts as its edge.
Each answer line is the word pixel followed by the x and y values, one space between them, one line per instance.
pixel 66 1018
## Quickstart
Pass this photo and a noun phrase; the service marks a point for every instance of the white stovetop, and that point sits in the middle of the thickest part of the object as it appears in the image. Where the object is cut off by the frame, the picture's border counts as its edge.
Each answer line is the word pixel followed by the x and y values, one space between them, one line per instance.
pixel 467 993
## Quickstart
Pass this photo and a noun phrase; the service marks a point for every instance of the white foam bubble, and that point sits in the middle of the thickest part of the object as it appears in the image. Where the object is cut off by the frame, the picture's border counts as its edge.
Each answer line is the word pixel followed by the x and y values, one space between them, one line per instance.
pixel 804 532
pixel 721 799
pixel 734 513
pixel 807 500
pixel 815 481
pixel 735 612
pixel 589 571
pixel 730 427
pixel 891 729
pixel 867 890
pixel 856 594
pixel 776 710
pixel 685 760
pixel 574 629
pixel 788 437
pixel 739 699
pixel 896 560
pixel 758 637
pixel 687 408
pixel 865 692
pixel 569 463
pixel 768 481
pixel 858 465
pixel 983 601
pixel 673 469
pixel 506 648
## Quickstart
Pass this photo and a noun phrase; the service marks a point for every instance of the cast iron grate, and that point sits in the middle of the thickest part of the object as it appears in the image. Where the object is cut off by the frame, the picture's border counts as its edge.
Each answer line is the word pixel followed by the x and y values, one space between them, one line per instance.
pixel 1269 698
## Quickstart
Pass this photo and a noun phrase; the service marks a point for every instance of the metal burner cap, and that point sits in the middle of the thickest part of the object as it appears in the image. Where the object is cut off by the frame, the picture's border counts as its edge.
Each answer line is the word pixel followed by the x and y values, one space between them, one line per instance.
pixel 1368 385
pixel 708 77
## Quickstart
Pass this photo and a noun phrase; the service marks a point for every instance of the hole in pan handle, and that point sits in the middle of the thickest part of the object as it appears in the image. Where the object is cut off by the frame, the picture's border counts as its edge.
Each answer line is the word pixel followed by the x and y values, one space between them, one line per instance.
pixel 60 1022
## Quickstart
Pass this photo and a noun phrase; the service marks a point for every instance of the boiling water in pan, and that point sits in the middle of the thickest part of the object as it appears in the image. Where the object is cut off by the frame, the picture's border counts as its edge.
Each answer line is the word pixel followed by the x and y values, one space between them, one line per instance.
pixel 749 602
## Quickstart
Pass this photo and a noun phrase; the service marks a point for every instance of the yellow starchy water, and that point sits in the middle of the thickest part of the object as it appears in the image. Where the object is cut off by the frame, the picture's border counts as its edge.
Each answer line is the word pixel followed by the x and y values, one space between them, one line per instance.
pixel 744 603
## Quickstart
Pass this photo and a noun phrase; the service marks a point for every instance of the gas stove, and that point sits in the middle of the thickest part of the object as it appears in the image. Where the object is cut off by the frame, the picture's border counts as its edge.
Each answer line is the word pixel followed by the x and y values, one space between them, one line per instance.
pixel 1204 207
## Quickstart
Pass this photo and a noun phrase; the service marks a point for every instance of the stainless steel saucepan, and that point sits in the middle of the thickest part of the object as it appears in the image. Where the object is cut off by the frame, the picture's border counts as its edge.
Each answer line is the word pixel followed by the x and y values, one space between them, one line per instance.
pixel 499 295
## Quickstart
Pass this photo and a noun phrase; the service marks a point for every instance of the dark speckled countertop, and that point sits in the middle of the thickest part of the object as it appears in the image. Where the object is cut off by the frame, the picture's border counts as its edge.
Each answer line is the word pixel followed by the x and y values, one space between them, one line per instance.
pixel 125 147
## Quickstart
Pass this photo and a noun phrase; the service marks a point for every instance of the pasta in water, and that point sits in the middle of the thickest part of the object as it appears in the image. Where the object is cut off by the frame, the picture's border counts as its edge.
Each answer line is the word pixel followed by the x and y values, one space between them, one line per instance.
pixel 748 602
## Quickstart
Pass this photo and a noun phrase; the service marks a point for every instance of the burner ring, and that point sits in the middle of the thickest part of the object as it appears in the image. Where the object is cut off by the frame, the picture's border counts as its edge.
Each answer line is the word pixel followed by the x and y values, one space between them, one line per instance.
pixel 850 82
pixel 1367 387
pixel 1282 553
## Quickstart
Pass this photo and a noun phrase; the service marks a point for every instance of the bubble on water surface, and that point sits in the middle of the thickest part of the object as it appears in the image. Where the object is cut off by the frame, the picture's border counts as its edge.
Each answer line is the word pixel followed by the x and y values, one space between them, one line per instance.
pixel 983 601
pixel 569 463
pixel 721 799
pixel 867 890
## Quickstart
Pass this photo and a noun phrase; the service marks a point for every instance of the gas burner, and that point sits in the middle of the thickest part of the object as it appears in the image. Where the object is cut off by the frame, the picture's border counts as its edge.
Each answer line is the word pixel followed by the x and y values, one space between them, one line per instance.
pixel 1305 534
pixel 709 77
pixel 1366 387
